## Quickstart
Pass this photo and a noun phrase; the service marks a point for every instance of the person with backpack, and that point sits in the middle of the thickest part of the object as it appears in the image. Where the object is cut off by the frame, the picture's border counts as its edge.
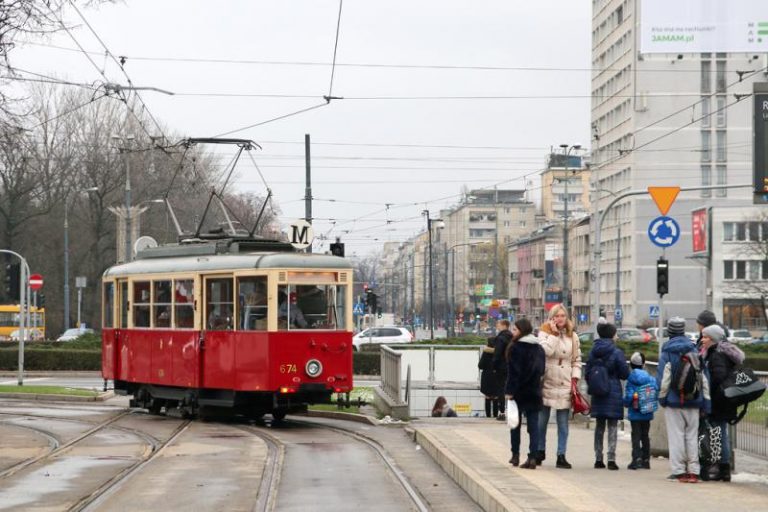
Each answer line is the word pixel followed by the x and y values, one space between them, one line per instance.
pixel 525 369
pixel 563 366
pixel 500 342
pixel 720 357
pixel 684 394
pixel 641 401
pixel 605 369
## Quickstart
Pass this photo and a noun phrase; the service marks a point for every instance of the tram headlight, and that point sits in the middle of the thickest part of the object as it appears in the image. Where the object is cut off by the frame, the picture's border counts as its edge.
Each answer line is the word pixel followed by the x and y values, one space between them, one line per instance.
pixel 314 368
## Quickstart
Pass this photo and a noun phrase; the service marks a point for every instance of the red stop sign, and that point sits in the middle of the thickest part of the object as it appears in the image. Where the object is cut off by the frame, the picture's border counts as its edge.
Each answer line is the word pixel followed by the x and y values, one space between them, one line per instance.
pixel 35 281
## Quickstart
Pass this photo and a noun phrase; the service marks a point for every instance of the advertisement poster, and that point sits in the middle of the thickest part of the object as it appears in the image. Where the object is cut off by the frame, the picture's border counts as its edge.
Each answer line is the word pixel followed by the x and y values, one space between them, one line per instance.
pixel 700 230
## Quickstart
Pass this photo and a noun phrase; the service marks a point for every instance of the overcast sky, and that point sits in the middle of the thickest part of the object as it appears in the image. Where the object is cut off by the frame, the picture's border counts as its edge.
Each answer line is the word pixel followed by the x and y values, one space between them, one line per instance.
pixel 369 150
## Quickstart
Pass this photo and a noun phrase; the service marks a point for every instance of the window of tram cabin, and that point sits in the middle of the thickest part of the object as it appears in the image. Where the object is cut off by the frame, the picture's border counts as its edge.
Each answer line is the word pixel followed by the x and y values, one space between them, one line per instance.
pixel 109 304
pixel 161 304
pixel 252 303
pixel 141 303
pixel 311 306
pixel 219 305
pixel 184 303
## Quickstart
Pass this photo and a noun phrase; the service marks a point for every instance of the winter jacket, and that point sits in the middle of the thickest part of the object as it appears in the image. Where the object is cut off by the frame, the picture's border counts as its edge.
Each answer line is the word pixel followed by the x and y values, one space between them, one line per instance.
pixel 563 362
pixel 669 361
pixel 607 353
pixel 636 379
pixel 525 369
pixel 720 359
pixel 489 384
pixel 503 338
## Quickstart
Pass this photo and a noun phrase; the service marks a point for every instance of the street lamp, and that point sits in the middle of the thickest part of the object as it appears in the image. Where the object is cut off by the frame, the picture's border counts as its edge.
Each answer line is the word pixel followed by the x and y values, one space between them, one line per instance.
pixel 566 291
pixel 439 224
pixel 617 299
pixel 66 253
pixel 122 148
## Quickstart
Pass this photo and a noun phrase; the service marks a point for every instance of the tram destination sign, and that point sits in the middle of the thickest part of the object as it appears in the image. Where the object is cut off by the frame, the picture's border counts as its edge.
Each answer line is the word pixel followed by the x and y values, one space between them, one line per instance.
pixel 760 144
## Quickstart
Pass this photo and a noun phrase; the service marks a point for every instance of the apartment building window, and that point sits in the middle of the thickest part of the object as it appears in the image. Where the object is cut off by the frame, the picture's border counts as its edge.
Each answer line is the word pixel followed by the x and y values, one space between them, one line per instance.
pixel 722 179
pixel 722 112
pixel 706 146
pixel 706 179
pixel 620 14
pixel 764 265
pixel 735 270
pixel 764 231
pixel 753 231
pixel 721 146
pixel 706 118
pixel 706 76
pixel 754 270
pixel 720 75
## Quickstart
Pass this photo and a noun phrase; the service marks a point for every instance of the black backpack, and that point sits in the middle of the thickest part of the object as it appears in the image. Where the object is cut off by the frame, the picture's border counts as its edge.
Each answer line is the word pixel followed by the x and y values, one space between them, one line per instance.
pixel 740 387
pixel 686 379
pixel 598 380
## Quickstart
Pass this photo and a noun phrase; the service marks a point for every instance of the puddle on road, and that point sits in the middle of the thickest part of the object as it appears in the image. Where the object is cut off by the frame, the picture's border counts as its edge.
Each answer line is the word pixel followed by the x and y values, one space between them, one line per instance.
pixel 59 476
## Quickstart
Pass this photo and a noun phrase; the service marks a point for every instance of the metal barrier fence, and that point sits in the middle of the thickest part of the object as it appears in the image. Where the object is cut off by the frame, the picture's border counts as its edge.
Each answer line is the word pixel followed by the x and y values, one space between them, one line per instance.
pixel 391 380
pixel 751 433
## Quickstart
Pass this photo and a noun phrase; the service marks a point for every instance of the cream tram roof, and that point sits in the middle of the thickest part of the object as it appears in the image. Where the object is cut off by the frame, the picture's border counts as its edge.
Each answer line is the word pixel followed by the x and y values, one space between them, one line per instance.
pixel 203 258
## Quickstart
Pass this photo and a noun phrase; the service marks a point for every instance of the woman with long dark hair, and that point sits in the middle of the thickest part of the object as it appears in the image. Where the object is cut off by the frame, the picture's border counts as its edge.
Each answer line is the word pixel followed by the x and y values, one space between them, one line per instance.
pixel 525 369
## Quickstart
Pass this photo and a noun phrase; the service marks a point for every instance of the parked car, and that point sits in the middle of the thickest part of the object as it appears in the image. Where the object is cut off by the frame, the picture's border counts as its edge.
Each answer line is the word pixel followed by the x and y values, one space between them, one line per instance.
pixel 693 336
pixel 31 335
pixel 629 334
pixel 587 336
pixel 654 332
pixel 760 340
pixel 382 335
pixel 740 336
pixel 73 334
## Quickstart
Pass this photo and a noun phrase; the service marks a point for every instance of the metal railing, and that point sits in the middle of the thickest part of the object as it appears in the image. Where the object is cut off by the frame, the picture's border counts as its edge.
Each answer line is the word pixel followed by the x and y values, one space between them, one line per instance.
pixel 391 373
pixel 751 433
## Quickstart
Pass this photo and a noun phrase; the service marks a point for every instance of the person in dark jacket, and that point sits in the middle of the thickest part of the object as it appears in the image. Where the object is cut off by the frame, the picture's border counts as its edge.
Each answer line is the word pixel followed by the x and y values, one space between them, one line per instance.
pixel 500 343
pixel 525 368
pixel 608 409
pixel 489 385
pixel 705 319
pixel 720 357
pixel 640 421
pixel 681 416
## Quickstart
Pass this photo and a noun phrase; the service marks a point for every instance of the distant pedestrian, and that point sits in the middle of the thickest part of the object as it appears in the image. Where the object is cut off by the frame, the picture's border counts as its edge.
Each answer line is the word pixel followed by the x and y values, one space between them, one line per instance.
pixel 442 409
pixel 684 394
pixel 500 342
pixel 489 385
pixel 563 365
pixel 525 369
pixel 605 369
pixel 705 319
pixel 720 357
pixel 637 383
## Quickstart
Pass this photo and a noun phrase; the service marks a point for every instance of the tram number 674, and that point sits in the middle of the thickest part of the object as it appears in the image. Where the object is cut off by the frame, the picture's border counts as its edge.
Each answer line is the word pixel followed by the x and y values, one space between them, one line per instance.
pixel 288 368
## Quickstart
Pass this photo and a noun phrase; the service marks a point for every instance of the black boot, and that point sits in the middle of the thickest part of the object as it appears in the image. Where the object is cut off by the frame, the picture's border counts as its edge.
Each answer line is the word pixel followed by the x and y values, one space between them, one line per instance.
pixel 725 472
pixel 530 462
pixel 562 463
pixel 540 457
pixel 515 460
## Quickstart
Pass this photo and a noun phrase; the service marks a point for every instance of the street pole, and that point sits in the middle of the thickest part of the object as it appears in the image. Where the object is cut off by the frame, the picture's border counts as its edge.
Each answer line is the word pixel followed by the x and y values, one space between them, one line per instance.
pixel 308 185
pixel 431 294
pixel 617 306
pixel 448 313
pixel 566 285
pixel 66 264
pixel 128 220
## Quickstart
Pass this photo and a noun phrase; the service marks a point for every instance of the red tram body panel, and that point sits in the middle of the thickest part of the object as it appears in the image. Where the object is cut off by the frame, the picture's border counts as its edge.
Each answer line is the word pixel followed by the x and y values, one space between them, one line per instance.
pixel 212 325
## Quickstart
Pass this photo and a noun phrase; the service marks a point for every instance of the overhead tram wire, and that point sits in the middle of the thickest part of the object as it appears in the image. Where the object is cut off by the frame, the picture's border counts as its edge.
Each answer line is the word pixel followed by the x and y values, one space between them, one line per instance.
pixel 335 49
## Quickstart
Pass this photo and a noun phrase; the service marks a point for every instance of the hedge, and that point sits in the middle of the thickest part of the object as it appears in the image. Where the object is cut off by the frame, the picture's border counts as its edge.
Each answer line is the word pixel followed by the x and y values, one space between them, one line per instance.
pixel 40 359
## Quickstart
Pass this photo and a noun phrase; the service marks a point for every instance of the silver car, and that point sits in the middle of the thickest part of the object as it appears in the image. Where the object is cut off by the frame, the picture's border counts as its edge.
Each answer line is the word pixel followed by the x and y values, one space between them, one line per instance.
pixel 381 335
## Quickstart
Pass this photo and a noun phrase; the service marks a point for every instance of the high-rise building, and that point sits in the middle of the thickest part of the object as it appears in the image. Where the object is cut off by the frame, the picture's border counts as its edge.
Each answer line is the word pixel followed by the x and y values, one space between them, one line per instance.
pixel 662 119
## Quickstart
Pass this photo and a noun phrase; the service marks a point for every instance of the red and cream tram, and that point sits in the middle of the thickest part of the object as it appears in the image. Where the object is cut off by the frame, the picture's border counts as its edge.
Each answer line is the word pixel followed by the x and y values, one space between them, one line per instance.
pixel 238 323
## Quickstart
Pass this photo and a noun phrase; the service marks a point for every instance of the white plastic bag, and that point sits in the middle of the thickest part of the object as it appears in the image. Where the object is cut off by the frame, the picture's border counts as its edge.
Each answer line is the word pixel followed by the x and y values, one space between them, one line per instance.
pixel 513 416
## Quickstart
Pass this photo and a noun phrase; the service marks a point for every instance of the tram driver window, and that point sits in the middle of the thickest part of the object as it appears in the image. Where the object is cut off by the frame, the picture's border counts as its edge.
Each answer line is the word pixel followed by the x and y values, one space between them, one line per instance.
pixel 252 303
pixel 141 303
pixel 311 307
pixel 219 304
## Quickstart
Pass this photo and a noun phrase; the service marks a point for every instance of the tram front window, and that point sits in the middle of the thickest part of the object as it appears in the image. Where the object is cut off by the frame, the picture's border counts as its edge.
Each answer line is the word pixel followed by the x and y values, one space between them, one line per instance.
pixel 311 307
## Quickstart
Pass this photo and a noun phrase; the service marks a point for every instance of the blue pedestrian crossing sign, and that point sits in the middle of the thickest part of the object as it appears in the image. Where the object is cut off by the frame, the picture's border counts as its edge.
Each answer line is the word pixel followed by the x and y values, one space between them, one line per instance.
pixel 582 318
pixel 358 308
pixel 664 231
pixel 653 311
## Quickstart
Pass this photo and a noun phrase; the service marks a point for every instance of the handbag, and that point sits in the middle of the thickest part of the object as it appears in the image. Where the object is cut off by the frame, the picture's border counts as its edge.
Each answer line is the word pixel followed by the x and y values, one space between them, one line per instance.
pixel 579 402
pixel 710 447
pixel 513 415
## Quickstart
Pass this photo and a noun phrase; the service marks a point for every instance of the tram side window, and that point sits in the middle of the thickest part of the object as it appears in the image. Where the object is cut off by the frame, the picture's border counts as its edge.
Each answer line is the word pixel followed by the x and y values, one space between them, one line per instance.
pixel 161 305
pixel 252 303
pixel 123 304
pixel 184 300
pixel 109 302
pixel 219 303
pixel 141 303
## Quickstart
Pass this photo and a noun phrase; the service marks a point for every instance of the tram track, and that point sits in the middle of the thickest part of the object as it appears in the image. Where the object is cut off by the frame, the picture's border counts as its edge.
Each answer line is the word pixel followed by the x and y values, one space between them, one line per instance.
pixel 270 480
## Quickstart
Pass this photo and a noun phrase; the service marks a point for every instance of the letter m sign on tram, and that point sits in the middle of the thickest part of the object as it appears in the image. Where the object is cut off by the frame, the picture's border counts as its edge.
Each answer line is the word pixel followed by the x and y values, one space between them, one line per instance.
pixel 301 234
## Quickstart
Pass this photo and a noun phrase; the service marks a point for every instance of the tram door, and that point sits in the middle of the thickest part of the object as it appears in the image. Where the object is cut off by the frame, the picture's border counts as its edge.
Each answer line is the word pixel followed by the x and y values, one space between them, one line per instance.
pixel 217 357
pixel 120 323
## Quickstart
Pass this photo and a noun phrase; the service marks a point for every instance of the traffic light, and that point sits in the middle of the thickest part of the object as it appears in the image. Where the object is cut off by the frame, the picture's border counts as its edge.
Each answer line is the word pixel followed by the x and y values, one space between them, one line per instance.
pixel 41 300
pixel 662 276
pixel 337 249
pixel 12 275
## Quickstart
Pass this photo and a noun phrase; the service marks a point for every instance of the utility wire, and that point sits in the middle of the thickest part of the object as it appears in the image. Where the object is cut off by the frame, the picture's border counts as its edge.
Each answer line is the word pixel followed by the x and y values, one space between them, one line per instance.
pixel 284 116
pixel 335 48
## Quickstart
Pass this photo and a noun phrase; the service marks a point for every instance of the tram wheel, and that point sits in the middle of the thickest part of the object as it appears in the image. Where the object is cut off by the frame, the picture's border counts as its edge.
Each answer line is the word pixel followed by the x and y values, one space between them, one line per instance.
pixel 155 406
pixel 279 414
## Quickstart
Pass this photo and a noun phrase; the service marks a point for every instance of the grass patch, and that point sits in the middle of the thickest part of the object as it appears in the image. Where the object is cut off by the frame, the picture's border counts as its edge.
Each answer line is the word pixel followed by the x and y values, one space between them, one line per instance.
pixel 364 393
pixel 48 390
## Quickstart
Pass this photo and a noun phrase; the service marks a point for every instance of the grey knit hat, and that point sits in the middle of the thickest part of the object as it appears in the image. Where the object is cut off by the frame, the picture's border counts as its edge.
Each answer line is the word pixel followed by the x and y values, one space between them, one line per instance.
pixel 706 318
pixel 637 360
pixel 676 326
pixel 715 332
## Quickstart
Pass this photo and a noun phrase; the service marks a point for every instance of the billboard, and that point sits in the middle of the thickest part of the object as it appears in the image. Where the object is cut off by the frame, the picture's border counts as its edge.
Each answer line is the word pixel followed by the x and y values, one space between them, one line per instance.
pixel 700 230
pixel 704 26
pixel 760 143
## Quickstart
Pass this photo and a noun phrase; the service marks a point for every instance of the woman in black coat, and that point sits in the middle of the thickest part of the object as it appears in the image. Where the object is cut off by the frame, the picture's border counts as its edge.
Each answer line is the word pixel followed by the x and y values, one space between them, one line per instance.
pixel 525 369
pixel 489 385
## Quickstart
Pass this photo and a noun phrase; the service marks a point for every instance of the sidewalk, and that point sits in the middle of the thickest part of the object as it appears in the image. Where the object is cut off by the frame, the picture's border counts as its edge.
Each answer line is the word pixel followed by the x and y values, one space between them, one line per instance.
pixel 475 452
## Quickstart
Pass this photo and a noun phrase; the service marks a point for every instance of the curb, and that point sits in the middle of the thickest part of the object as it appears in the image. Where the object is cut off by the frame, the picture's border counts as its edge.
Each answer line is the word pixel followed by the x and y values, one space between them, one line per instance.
pixel 348 416
pixel 485 495
pixel 102 397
